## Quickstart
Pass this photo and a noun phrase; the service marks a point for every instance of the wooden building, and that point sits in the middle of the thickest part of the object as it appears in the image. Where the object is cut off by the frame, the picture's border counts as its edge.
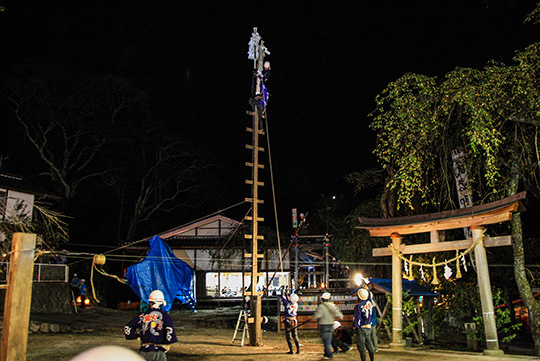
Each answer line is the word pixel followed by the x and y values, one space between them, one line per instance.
pixel 213 247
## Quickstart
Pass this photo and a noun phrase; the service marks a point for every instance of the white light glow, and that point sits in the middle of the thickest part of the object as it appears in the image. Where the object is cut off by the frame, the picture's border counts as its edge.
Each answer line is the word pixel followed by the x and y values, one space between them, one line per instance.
pixel 359 279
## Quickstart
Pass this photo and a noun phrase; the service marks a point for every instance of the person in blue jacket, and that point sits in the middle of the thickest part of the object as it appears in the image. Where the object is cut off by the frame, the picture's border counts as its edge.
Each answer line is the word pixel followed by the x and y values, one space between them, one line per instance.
pixel 83 291
pixel 374 338
pixel 290 303
pixel 155 329
pixel 363 314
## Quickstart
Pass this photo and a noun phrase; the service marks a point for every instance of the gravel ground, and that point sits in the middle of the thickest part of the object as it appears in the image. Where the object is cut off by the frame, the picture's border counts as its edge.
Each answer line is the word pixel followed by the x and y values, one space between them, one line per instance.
pixel 203 336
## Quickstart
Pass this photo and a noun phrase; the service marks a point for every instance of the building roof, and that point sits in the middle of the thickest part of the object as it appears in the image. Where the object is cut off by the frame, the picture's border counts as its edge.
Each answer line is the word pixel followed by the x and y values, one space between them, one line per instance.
pixel 16 183
pixel 201 233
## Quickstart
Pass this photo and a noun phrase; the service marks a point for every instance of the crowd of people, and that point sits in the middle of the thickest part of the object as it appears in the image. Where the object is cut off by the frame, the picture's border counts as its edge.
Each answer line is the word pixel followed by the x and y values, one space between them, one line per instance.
pixel 156 331
pixel 335 336
pixel 339 273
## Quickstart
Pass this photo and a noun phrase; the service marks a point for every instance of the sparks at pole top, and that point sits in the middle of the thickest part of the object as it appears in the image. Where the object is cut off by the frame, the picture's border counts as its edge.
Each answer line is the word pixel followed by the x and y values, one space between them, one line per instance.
pixel 259 93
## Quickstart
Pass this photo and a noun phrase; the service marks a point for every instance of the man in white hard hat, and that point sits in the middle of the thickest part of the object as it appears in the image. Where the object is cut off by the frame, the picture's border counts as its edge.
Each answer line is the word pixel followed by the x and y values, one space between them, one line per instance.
pixel 362 323
pixel 290 303
pixel 154 327
pixel 74 284
pixel 326 314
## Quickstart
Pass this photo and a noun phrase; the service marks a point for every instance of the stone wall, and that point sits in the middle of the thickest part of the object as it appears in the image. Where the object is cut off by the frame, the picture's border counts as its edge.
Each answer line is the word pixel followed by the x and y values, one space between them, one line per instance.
pixel 47 297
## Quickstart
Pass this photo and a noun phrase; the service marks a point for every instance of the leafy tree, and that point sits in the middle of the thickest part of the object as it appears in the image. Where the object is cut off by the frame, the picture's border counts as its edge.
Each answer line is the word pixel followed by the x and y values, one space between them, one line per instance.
pixel 534 15
pixel 507 328
pixel 492 115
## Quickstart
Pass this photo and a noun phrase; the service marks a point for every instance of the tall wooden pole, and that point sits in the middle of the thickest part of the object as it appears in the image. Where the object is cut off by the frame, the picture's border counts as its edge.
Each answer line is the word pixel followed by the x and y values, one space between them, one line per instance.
pixel 484 285
pixel 18 298
pixel 255 333
pixel 397 296
pixel 257 52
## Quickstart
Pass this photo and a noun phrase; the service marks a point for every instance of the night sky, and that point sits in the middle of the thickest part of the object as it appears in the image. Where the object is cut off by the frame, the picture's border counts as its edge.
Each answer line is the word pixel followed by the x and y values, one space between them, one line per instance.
pixel 328 64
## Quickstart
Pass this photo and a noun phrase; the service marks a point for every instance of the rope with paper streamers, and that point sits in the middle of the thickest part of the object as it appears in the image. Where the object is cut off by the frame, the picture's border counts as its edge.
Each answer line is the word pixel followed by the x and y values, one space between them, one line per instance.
pixel 434 265
pixel 99 260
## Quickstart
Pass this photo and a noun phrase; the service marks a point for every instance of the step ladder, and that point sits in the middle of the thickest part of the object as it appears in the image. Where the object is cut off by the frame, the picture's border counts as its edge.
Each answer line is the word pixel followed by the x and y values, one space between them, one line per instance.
pixel 241 325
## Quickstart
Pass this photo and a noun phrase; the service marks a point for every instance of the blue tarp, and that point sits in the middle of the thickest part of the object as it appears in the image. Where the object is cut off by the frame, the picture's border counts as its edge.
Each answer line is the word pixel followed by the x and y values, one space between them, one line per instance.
pixel 162 270
pixel 411 288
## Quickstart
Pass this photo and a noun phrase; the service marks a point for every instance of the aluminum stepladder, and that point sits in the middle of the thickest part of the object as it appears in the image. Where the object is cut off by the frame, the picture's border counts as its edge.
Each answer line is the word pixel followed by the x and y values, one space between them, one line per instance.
pixel 241 325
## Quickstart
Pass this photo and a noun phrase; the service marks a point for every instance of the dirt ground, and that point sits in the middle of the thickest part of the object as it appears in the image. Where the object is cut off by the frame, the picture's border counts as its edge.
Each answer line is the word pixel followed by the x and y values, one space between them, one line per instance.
pixel 203 336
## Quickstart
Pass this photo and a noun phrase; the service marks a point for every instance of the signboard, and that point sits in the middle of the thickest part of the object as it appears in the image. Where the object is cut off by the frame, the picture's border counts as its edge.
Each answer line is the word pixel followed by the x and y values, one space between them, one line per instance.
pixel 309 303
pixel 462 184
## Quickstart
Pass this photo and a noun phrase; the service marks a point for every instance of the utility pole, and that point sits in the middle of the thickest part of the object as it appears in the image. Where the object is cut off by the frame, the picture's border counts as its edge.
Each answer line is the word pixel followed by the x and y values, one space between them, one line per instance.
pixel 257 52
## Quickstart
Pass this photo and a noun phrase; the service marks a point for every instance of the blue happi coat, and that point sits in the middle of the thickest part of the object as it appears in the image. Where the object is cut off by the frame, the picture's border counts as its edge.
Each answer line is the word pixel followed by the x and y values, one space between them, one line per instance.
pixel 363 313
pixel 154 327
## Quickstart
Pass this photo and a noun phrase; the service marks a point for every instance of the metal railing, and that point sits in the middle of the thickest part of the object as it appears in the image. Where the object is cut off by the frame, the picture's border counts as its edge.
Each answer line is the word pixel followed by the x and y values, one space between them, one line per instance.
pixel 43 272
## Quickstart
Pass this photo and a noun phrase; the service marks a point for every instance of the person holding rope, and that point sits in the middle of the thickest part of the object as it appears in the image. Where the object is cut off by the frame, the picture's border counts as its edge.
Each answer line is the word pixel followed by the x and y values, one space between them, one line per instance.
pixel 154 327
pixel 326 314
pixel 290 303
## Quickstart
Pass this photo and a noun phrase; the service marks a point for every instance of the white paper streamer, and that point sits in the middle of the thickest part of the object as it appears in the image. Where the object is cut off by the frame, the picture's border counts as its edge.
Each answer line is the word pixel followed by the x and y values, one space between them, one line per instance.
pixel 447 271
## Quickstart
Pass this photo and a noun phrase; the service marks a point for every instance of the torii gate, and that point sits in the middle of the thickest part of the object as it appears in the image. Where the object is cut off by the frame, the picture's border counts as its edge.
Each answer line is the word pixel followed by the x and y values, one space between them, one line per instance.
pixel 474 218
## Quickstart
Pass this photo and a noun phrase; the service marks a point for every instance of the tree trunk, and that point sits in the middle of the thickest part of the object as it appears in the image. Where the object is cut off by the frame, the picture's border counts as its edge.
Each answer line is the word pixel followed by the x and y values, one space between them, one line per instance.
pixel 524 287
pixel 525 291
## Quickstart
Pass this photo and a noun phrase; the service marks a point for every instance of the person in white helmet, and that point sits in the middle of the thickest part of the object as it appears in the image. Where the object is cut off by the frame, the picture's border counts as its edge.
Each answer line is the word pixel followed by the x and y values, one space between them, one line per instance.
pixel 342 338
pixel 290 303
pixel 74 284
pixel 326 314
pixel 155 329
pixel 363 313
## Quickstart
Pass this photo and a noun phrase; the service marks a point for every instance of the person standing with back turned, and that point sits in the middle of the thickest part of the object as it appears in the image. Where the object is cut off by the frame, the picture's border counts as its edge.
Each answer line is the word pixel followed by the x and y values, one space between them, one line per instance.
pixel 154 327
pixel 326 314
pixel 362 323
pixel 290 303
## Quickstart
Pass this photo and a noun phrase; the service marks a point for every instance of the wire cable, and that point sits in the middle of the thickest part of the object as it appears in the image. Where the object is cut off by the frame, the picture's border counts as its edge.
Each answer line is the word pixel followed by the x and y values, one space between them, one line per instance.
pixel 237 227
pixel 148 238
pixel 273 192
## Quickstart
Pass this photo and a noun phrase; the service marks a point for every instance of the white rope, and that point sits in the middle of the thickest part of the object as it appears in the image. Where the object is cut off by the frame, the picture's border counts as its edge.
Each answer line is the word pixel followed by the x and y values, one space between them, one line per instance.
pixel 398 253
pixel 273 193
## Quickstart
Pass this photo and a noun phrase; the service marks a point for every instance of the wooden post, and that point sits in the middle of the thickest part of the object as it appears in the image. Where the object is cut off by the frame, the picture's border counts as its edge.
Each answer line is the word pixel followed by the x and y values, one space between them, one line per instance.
pixel 326 278
pixel 397 295
pixel 255 331
pixel 257 51
pixel 484 285
pixel 18 298
pixel 420 324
